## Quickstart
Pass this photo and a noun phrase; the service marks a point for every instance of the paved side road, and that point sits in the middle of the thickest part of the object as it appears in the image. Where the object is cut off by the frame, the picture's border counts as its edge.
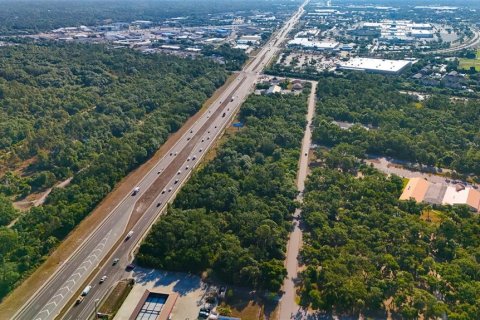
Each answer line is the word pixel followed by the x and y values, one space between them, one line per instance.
pixel 289 309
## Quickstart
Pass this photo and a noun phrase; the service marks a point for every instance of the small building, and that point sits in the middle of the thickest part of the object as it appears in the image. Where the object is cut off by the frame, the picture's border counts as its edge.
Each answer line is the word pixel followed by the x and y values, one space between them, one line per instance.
pixel 416 189
pixel 421 190
pixel 274 89
pixel 297 87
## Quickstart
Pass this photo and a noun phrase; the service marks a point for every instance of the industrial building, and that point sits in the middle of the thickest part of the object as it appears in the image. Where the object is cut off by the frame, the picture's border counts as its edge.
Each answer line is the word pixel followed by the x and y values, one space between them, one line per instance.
pixel 375 65
pixel 422 190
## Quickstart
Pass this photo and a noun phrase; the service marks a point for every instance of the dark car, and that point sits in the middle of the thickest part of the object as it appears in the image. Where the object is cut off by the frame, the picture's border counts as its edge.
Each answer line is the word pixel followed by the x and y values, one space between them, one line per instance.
pixel 130 267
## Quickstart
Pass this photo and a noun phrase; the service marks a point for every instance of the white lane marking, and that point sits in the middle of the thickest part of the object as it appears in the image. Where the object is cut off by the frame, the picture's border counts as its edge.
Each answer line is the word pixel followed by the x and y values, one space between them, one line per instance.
pixel 78 273
pixel 55 297
pixel 70 280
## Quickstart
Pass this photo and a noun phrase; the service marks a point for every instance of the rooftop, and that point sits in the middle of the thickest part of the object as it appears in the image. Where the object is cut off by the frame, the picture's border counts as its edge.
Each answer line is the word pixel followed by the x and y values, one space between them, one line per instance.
pixel 379 65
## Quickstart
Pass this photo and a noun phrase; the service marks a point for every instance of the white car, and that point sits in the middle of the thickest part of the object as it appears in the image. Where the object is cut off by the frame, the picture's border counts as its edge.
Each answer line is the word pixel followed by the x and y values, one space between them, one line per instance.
pixel 102 279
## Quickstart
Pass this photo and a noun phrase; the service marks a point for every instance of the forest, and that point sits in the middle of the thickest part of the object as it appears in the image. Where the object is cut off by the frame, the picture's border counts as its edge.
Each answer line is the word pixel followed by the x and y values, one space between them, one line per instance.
pixel 367 253
pixel 233 217
pixel 87 112
pixel 438 131
pixel 27 17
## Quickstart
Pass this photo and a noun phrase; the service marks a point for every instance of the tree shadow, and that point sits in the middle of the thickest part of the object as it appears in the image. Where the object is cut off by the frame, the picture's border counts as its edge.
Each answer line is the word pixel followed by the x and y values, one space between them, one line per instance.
pixel 183 283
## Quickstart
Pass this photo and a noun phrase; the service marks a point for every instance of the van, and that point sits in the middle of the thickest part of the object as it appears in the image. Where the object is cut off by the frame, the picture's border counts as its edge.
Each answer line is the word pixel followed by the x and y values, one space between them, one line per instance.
pixel 86 290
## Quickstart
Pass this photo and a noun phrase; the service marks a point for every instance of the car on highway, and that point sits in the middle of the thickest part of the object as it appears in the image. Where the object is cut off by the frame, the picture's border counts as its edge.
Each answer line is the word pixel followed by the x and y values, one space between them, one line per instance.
pixel 135 191
pixel 176 181
pixel 179 172
pixel 115 261
pixel 130 267
pixel 79 300
pixel 102 279
pixel 163 191
pixel 188 159
pixel 200 150
pixel 175 154
pixel 129 235
pixel 191 131
pixel 159 204
pixel 170 189
pixel 223 115
pixel 194 157
pixel 187 167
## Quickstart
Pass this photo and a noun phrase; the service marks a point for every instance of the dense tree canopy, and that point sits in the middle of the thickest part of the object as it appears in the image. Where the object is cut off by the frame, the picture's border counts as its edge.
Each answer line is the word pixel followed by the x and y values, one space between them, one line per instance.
pixel 364 249
pixel 438 131
pixel 24 16
pixel 232 216
pixel 88 112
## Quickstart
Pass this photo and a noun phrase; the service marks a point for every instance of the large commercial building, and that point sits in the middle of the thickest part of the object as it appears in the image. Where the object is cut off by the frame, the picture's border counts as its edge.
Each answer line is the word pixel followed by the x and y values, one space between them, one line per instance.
pixel 375 65
pixel 305 43
pixel 421 190
pixel 396 30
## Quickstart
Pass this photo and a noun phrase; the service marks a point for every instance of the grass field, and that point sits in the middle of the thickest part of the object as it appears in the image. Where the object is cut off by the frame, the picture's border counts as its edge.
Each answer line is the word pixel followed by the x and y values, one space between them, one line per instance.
pixel 466 64
pixel 116 298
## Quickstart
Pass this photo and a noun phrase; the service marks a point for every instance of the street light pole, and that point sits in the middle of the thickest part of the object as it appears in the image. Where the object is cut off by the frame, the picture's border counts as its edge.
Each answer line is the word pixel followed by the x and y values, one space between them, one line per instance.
pixel 96 306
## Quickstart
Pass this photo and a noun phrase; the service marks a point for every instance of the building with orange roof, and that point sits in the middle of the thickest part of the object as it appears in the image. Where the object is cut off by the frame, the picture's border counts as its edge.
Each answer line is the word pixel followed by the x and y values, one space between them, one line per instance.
pixel 416 189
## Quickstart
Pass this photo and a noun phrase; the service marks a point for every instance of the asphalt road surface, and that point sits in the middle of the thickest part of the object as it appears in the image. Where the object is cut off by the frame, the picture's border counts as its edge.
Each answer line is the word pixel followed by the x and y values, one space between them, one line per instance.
pixel 289 309
pixel 137 212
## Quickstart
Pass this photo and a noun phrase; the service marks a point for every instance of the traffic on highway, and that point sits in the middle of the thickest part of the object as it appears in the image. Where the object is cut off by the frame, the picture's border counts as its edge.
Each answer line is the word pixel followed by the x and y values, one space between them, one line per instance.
pixel 106 255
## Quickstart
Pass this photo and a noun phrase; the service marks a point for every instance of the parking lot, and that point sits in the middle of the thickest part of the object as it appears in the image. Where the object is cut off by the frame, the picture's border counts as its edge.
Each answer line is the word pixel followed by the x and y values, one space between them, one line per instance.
pixel 190 289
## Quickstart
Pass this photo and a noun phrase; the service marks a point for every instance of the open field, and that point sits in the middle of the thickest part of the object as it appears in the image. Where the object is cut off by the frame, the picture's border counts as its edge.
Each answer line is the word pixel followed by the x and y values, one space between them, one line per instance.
pixel 466 64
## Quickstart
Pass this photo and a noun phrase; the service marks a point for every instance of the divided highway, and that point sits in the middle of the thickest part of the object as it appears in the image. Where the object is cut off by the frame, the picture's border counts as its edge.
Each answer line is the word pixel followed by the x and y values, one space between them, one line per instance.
pixel 94 258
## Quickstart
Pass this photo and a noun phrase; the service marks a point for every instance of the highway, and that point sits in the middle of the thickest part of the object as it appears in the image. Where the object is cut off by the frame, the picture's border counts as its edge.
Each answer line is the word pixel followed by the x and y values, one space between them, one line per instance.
pixel 137 212
pixel 472 43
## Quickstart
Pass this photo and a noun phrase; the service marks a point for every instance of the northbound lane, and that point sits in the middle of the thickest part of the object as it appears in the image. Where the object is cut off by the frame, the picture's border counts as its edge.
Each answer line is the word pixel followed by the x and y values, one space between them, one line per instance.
pixel 93 259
